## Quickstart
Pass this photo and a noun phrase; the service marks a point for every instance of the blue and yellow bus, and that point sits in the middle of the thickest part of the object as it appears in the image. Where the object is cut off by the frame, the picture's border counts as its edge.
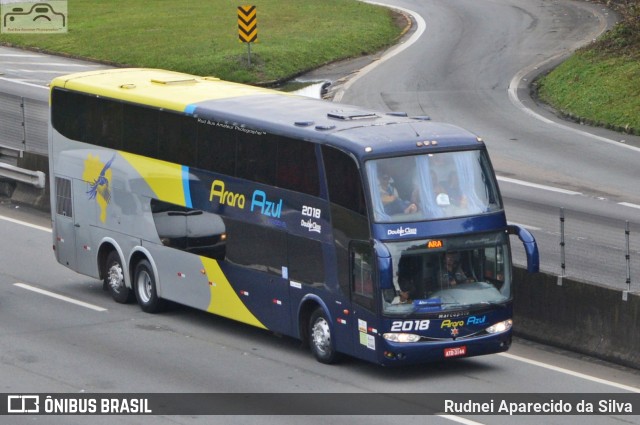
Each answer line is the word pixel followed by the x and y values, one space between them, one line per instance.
pixel 376 235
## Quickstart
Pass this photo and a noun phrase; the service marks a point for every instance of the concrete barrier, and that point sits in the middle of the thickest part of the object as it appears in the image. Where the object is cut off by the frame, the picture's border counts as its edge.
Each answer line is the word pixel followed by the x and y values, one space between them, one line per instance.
pixel 26 193
pixel 578 316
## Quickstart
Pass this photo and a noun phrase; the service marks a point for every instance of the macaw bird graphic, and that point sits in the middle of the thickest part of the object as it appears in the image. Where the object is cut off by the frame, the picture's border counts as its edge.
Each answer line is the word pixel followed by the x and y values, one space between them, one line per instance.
pixel 101 184
pixel 99 188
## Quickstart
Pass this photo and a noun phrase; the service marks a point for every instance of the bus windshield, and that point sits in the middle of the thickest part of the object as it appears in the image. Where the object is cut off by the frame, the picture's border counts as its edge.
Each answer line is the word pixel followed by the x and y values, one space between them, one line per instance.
pixel 432 186
pixel 443 274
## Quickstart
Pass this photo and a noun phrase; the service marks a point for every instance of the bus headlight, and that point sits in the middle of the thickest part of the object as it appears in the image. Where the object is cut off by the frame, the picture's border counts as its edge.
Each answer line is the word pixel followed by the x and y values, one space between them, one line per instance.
pixel 401 337
pixel 500 327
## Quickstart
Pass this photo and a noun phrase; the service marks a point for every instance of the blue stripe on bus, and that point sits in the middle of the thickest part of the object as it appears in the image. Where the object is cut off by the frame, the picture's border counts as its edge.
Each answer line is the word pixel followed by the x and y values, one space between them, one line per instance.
pixel 190 109
pixel 185 186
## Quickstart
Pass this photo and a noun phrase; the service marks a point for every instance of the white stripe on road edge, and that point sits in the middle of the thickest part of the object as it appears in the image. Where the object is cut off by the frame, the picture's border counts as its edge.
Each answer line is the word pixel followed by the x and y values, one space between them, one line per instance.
pixel 630 205
pixel 60 297
pixel 525 226
pixel 460 420
pixel 11 80
pixel 24 223
pixel 572 373
pixel 538 186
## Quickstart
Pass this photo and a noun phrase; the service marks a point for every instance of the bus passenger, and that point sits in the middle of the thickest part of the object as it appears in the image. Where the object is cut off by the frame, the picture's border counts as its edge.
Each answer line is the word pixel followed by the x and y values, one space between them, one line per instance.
pixel 391 201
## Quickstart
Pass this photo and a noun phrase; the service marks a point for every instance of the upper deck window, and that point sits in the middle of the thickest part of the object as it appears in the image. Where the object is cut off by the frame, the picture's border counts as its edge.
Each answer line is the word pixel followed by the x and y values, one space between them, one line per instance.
pixel 432 186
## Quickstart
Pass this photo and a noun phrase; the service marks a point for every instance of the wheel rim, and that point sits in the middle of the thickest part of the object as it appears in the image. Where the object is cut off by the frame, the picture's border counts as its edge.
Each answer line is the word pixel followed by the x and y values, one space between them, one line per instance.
pixel 116 278
pixel 145 286
pixel 321 335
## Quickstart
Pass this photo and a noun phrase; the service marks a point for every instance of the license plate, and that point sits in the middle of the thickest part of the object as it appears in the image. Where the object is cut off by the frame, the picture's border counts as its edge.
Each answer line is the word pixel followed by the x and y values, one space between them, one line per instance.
pixel 455 351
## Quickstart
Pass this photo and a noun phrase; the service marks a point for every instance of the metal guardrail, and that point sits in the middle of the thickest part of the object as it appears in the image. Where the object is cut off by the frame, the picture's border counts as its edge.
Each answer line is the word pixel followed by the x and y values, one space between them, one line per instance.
pixel 34 178
pixel 23 128
pixel 23 124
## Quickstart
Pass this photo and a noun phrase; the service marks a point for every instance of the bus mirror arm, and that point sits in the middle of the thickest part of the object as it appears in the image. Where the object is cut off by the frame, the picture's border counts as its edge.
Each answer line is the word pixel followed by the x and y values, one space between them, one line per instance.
pixel 530 246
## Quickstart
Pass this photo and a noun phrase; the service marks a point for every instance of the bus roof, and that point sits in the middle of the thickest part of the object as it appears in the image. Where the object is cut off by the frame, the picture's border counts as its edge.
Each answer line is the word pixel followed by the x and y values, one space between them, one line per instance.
pixel 365 133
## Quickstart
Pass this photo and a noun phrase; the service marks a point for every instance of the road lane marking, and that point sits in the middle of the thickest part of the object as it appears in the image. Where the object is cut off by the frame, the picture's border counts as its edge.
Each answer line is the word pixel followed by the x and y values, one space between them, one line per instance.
pixel 60 297
pixel 572 373
pixel 628 204
pixel 460 420
pixel 420 28
pixel 62 64
pixel 525 226
pixel 24 223
pixel 11 80
pixel 538 186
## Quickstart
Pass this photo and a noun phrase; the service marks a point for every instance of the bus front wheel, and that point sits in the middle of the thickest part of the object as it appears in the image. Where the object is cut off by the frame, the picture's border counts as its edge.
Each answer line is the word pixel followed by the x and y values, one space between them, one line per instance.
pixel 114 280
pixel 320 338
pixel 145 288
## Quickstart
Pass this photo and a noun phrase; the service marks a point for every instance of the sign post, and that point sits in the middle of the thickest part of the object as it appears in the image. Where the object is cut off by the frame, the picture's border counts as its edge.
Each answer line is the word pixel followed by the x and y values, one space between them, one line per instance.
pixel 248 27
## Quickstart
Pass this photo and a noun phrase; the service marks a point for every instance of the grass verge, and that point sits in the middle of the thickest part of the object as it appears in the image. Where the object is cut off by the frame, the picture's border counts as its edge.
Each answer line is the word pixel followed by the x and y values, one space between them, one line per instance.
pixel 600 84
pixel 202 37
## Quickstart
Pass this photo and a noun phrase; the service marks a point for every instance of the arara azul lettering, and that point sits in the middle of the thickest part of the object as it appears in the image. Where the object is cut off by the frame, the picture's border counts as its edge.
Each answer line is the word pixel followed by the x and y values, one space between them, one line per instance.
pixel 268 208
pixel 226 197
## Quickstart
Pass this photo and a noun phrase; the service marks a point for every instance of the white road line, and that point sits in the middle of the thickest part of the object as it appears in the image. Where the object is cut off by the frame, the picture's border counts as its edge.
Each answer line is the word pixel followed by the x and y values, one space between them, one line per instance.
pixel 628 204
pixel 11 80
pixel 420 29
pixel 59 297
pixel 460 420
pixel 526 226
pixel 538 186
pixel 572 373
pixel 24 223
pixel 63 64
pixel 19 55
pixel 35 71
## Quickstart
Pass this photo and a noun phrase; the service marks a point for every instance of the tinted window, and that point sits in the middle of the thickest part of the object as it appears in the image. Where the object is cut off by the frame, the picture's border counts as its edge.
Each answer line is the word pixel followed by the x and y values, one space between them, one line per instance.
pixel 306 261
pixel 177 138
pixel 69 113
pixel 140 130
pixel 256 160
pixel 297 166
pixel 343 180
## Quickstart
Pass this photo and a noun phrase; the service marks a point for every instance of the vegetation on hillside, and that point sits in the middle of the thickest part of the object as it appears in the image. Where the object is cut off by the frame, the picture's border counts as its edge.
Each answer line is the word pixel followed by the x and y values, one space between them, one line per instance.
pixel 600 84
pixel 201 37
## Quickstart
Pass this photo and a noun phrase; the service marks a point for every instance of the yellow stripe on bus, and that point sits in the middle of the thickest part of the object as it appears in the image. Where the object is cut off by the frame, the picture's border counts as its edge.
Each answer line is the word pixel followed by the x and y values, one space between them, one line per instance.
pixel 164 178
pixel 156 87
pixel 224 299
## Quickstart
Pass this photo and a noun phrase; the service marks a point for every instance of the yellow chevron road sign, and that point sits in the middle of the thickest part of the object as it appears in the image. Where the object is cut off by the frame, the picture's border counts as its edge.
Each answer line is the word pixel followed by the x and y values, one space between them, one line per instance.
pixel 247 24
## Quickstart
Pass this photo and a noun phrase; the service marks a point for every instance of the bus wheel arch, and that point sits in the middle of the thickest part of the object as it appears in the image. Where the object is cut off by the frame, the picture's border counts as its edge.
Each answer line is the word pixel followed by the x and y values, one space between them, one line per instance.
pixel 145 284
pixel 113 272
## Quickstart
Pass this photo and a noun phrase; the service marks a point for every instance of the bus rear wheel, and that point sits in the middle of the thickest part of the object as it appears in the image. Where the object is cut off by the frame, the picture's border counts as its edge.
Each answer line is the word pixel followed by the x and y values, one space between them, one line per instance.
pixel 320 338
pixel 114 280
pixel 144 282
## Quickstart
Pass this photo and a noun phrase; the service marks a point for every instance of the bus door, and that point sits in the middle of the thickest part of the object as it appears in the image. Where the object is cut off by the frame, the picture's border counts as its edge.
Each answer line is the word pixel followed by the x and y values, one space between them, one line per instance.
pixel 65 238
pixel 364 321
pixel 73 209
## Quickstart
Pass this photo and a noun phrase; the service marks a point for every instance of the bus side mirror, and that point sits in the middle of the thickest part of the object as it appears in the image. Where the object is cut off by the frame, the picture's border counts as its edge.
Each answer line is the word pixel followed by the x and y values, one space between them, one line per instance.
pixel 530 246
pixel 385 266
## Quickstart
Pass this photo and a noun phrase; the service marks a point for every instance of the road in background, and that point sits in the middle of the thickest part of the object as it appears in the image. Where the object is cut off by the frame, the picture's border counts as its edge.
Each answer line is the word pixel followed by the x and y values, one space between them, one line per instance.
pixel 471 66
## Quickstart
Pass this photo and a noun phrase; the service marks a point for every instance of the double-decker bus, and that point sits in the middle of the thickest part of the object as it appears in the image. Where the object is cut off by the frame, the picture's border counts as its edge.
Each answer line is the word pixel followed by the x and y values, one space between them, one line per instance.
pixel 376 235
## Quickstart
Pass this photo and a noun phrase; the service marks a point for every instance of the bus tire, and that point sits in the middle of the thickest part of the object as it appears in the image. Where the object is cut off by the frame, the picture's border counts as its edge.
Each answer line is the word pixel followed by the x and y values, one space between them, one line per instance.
pixel 114 279
pixel 144 282
pixel 320 338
